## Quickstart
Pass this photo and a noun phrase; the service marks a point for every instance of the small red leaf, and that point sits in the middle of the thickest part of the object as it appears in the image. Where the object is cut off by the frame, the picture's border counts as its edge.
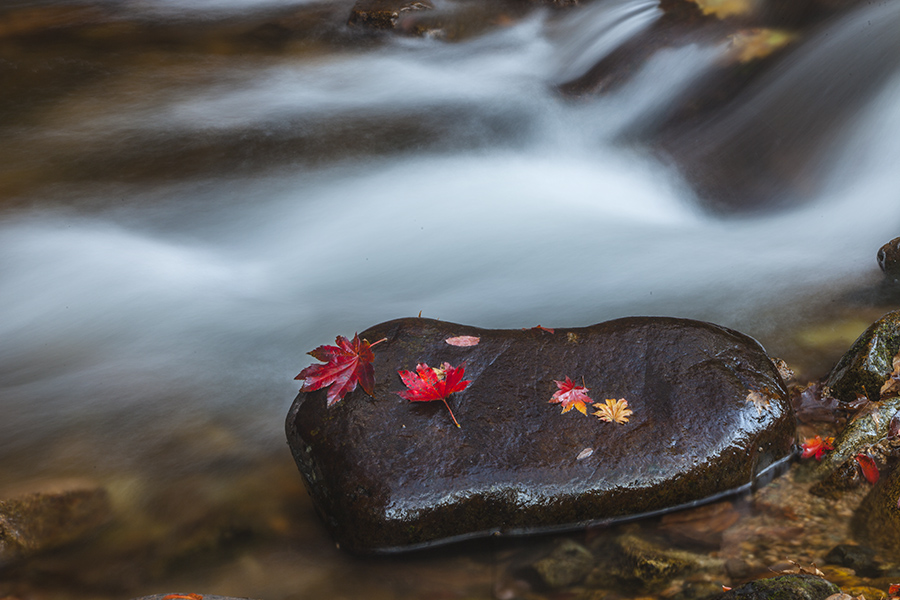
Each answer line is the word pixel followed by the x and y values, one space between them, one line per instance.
pixel 182 597
pixel 539 328
pixel 463 340
pixel 894 590
pixel 817 447
pixel 348 363
pixel 868 467
pixel 428 384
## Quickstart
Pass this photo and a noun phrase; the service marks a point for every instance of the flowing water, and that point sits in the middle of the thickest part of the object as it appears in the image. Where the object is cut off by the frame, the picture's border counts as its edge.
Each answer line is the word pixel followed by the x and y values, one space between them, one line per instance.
pixel 189 206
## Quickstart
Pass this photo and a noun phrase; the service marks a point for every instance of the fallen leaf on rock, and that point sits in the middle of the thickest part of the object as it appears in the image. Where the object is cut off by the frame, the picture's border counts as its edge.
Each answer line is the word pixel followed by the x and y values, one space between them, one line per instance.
pixel 798 569
pixel 584 454
pixel 571 396
pixel 182 597
pixel 891 386
pixel 614 411
pixel 783 369
pixel 427 384
pixel 346 364
pixel 759 400
pixel 540 328
pixel 868 467
pixel 816 446
pixel 463 340
pixel 752 44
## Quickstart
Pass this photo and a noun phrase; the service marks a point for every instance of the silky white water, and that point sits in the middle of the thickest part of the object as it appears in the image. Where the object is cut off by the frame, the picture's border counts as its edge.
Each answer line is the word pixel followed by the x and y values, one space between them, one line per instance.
pixel 131 307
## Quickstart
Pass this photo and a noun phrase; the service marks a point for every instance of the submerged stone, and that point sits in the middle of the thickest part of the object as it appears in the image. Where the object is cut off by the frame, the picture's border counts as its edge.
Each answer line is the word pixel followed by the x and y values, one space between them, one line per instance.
pixel 50 515
pixel 795 587
pixel 710 416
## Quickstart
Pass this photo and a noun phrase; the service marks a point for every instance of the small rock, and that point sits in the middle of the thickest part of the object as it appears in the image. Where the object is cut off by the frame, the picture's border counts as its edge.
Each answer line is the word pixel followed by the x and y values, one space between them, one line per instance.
pixel 863 370
pixel 859 558
pixel 795 587
pixel 50 515
pixel 631 562
pixel 877 520
pixel 889 260
pixel 384 14
pixel 189 596
pixel 567 564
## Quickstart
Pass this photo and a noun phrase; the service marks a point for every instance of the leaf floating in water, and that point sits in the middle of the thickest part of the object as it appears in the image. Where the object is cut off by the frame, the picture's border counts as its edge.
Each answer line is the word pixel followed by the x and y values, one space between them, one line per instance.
pixel 817 447
pixel 463 340
pixel 868 467
pixel 726 8
pixel 584 454
pixel 751 44
pixel 798 569
pixel 614 411
pixel 571 396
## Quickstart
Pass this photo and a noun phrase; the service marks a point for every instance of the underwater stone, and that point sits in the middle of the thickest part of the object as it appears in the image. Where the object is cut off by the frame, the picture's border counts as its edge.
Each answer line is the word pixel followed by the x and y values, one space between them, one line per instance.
pixel 876 522
pixel 54 514
pixel 389 475
pixel 795 587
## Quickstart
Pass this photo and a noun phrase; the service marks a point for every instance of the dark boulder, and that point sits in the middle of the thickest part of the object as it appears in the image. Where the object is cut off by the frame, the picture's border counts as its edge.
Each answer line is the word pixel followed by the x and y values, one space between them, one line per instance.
pixel 710 415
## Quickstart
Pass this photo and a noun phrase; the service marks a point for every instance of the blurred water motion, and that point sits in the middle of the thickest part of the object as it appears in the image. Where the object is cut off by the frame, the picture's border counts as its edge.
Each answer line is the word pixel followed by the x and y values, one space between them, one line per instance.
pixel 185 217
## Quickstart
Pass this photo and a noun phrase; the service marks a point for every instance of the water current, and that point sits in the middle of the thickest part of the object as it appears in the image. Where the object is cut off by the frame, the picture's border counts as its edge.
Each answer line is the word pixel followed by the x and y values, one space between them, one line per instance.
pixel 182 219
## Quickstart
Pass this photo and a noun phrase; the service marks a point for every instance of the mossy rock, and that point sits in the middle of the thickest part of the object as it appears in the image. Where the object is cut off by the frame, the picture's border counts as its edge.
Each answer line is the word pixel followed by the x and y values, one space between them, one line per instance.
pixel 863 370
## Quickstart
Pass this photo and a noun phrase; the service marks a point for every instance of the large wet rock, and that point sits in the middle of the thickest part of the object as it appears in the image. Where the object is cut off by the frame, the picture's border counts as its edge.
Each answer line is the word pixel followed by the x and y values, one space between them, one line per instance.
pixel 710 415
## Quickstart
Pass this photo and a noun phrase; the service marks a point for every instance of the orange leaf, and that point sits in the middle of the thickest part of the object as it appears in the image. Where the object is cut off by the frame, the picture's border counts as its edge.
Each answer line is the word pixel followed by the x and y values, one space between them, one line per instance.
pixel 817 447
pixel 614 411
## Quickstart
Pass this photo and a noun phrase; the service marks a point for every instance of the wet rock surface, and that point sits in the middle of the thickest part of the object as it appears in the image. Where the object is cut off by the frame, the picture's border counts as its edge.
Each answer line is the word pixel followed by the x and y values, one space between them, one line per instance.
pixel 50 515
pixel 862 371
pixel 389 475
pixel 889 260
pixel 795 587
pixel 877 521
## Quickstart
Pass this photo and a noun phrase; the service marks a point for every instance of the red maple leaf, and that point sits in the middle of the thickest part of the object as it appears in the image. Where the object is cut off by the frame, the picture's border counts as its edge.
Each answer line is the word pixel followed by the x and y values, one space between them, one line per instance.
pixel 571 396
pixel 428 384
pixel 868 467
pixel 817 447
pixel 348 363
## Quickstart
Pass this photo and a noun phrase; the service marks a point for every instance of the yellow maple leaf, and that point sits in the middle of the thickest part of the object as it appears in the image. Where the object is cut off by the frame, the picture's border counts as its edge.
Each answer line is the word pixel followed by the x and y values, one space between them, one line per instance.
pixel 759 400
pixel 614 411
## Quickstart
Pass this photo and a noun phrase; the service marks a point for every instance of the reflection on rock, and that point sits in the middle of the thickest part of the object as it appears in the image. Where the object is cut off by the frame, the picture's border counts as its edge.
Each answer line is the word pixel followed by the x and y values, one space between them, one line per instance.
pixel 387 475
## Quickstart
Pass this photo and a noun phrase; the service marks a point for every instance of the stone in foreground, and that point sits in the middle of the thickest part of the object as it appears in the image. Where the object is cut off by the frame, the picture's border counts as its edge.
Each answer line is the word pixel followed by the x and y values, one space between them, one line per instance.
pixel 710 417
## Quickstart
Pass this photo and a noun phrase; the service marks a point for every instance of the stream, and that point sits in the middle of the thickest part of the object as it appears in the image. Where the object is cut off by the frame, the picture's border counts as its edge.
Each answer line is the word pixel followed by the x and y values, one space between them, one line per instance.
pixel 195 193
